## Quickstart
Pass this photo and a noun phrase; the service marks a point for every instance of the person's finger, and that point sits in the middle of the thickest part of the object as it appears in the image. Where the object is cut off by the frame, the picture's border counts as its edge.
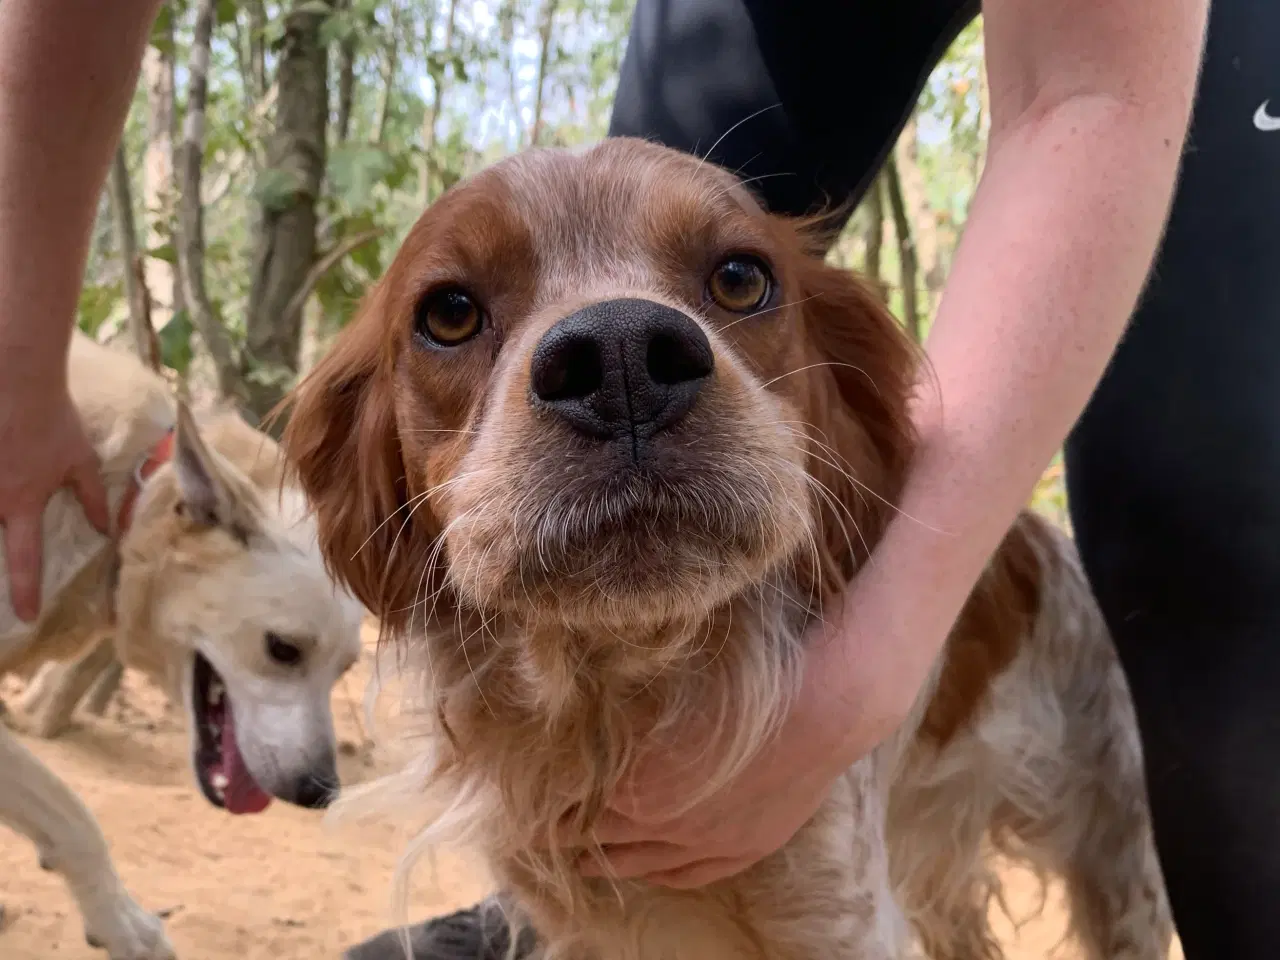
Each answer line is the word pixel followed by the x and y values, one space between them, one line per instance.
pixel 86 482
pixel 634 860
pixel 612 827
pixel 23 560
pixel 699 873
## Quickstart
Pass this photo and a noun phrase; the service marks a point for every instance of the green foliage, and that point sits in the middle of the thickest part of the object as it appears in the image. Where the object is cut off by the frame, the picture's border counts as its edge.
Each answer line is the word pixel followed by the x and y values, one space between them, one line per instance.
pixel 315 7
pixel 357 169
pixel 97 302
pixel 162 31
pixel 374 178
pixel 165 252
pixel 176 346
pixel 277 188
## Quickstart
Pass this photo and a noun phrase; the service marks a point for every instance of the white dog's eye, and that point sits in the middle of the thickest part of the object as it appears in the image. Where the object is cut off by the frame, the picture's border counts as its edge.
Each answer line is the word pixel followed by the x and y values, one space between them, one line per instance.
pixel 282 651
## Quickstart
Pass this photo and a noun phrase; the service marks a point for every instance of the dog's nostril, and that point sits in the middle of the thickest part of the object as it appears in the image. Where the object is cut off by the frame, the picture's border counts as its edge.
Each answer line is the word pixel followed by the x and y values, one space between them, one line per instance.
pixel 573 369
pixel 621 368
pixel 316 792
pixel 671 359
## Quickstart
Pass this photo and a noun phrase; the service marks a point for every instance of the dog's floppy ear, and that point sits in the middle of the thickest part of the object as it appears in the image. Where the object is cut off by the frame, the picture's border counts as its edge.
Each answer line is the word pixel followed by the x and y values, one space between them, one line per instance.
pixel 867 366
pixel 211 496
pixel 342 442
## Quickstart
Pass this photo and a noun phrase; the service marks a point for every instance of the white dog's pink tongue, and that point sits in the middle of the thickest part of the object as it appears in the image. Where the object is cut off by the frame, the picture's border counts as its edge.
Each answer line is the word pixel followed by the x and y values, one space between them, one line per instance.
pixel 242 793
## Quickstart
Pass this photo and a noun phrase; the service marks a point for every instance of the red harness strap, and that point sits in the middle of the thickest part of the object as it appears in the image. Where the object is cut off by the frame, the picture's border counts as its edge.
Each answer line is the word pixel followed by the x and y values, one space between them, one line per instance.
pixel 160 454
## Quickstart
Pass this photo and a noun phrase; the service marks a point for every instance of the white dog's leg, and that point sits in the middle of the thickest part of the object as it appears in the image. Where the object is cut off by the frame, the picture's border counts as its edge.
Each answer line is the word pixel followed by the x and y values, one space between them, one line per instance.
pixel 37 687
pixel 38 805
pixel 57 689
pixel 104 688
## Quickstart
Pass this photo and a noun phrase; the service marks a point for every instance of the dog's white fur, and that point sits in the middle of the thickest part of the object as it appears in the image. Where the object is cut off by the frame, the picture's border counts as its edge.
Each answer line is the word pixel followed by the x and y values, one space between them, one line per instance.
pixel 215 556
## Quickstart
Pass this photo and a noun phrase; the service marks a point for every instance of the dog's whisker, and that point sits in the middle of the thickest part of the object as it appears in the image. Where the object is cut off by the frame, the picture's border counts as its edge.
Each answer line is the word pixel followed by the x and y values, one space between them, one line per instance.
pixel 764 313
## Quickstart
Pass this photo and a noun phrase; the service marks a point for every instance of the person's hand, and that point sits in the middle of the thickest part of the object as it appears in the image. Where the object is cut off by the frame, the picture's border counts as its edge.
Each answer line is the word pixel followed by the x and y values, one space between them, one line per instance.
pixel 859 685
pixel 43 447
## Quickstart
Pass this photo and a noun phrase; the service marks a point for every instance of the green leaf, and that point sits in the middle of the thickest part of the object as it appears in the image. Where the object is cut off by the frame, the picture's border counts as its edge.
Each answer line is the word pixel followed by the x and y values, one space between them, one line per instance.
pixel 97 301
pixel 218 251
pixel 314 6
pixel 276 189
pixel 225 11
pixel 166 252
pixel 336 29
pixel 269 374
pixel 368 257
pixel 175 342
pixel 162 31
pixel 355 169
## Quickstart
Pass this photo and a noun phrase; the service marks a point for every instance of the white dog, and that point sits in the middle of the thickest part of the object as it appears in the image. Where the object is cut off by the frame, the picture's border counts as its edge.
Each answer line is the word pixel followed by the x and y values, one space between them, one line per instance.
pixel 215 588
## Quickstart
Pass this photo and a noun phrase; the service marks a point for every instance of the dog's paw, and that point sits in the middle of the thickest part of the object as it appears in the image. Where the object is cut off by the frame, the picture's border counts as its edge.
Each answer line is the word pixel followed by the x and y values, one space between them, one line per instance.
pixel 130 933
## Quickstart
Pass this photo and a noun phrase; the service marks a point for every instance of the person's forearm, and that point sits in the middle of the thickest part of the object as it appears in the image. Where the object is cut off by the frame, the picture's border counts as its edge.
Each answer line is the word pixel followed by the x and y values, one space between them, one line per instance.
pixel 68 69
pixel 1057 248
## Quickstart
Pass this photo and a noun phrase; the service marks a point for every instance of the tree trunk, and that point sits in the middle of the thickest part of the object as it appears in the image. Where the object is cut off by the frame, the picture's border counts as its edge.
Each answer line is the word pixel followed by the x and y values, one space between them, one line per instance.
pixel 920 211
pixel 545 23
pixel 390 66
pixel 907 262
pixel 507 27
pixel 164 278
pixel 285 238
pixel 346 76
pixel 127 247
pixel 190 210
pixel 439 75
pixel 258 46
pixel 874 236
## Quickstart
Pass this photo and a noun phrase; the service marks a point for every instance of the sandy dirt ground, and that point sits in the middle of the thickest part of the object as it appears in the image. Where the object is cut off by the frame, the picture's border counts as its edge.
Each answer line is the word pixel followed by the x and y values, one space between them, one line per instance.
pixel 283 885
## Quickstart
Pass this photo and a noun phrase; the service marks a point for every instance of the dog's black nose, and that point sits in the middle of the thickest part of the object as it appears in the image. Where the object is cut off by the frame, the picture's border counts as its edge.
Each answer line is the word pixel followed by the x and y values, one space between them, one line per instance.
pixel 621 368
pixel 316 791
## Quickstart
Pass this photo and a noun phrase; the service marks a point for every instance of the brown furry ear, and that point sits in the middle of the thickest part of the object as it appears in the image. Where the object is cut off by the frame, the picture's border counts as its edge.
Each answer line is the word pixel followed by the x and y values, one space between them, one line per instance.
pixel 342 442
pixel 861 415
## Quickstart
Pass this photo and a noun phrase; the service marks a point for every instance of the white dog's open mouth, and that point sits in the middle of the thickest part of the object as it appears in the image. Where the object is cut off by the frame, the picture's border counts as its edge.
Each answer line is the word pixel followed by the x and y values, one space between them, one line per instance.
pixel 224 779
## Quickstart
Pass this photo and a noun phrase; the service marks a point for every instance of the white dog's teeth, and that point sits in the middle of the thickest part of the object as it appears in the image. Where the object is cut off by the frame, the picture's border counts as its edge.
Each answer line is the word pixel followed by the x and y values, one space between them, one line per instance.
pixel 220 781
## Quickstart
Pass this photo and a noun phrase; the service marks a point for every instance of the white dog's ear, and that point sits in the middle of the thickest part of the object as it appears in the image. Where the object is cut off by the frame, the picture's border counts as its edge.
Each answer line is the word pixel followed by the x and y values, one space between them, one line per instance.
pixel 207 498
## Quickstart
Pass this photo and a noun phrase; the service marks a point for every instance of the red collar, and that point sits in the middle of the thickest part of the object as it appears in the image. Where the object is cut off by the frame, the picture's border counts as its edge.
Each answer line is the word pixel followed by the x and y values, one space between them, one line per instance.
pixel 160 454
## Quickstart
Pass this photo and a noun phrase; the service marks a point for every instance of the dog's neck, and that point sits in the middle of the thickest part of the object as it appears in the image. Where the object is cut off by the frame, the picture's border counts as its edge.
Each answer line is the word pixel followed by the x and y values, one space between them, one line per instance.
pixel 533 725
pixel 157 457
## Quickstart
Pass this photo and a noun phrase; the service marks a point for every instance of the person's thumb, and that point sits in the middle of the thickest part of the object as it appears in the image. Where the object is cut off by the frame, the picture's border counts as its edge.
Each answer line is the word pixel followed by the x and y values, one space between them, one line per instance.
pixel 86 482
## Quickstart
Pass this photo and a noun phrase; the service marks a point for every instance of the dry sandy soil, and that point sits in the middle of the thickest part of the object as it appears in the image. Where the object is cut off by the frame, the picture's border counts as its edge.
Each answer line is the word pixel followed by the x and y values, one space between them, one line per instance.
pixel 283 885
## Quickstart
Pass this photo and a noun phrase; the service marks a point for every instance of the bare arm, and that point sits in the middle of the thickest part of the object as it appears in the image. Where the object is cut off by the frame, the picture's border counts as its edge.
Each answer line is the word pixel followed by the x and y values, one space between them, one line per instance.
pixel 1090 106
pixel 68 69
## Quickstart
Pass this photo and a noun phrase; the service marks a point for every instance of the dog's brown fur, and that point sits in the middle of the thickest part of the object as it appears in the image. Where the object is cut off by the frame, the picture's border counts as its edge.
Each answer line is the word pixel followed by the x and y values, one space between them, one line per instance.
pixel 564 606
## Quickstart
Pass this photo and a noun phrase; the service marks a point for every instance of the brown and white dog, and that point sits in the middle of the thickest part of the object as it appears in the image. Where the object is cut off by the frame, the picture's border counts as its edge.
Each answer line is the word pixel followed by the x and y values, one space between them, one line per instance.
pixel 599 446
pixel 216 589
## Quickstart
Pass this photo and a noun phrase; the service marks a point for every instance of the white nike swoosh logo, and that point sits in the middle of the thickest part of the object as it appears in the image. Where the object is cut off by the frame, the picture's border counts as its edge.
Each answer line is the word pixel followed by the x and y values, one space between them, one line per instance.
pixel 1265 121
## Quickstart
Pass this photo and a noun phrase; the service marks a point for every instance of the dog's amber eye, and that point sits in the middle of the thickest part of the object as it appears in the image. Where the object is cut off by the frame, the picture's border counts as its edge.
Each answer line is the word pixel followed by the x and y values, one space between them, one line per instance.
pixel 449 317
pixel 740 284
